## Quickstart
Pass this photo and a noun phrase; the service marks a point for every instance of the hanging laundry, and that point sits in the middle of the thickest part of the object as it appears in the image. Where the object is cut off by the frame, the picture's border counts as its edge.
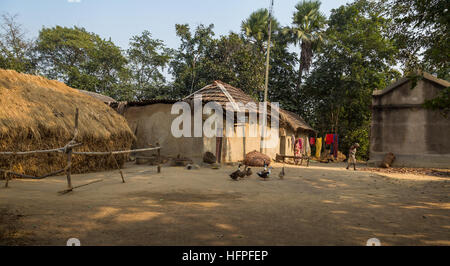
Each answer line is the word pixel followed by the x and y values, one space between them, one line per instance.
pixel 331 147
pixel 298 147
pixel 312 141
pixel 318 147
pixel 329 139
pixel 307 147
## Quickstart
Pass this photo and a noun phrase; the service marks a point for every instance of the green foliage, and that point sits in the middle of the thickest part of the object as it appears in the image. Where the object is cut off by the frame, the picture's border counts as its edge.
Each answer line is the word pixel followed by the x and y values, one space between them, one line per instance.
pixel 441 103
pixel 147 59
pixel 188 59
pixel 201 59
pixel 82 60
pixel 283 75
pixel 256 27
pixel 421 32
pixel 355 58
pixel 308 23
pixel 16 51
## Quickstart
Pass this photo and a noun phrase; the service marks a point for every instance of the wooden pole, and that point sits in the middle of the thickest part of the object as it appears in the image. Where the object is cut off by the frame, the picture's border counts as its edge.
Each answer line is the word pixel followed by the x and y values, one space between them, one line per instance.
pixel 6 179
pixel 69 168
pixel 69 152
pixel 71 189
pixel 118 167
pixel 266 79
pixel 159 157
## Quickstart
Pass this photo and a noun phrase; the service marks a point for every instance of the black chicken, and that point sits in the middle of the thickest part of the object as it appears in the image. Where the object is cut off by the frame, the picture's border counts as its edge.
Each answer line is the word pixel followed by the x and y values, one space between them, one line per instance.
pixel 265 174
pixel 248 171
pixel 236 174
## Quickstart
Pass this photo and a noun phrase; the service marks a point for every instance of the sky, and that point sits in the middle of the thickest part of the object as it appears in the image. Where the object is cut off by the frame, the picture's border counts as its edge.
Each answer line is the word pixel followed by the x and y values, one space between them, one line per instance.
pixel 122 19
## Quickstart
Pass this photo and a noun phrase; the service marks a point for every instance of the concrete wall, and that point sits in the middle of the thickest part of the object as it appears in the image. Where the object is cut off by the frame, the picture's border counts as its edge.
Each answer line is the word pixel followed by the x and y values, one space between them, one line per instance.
pixel 418 137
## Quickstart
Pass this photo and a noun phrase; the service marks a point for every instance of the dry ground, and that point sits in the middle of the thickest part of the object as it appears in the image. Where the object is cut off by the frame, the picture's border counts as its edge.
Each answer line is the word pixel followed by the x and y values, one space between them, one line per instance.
pixel 320 205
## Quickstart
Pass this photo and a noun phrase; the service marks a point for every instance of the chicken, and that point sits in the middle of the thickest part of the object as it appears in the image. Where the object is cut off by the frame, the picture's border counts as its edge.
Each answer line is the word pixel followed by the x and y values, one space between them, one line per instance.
pixel 241 174
pixel 236 174
pixel 248 171
pixel 265 174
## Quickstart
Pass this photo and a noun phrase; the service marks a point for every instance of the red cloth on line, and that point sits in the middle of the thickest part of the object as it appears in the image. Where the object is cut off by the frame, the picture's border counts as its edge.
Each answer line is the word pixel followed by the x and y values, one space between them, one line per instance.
pixel 329 139
pixel 298 146
pixel 312 141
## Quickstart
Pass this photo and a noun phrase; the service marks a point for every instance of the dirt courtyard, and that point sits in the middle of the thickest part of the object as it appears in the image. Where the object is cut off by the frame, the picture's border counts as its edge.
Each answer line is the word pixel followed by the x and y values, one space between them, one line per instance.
pixel 323 204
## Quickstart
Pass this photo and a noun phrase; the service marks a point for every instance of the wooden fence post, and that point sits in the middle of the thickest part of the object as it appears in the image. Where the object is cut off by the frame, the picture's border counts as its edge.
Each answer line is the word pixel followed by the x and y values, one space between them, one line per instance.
pixel 159 157
pixel 69 151
pixel 69 168
pixel 6 179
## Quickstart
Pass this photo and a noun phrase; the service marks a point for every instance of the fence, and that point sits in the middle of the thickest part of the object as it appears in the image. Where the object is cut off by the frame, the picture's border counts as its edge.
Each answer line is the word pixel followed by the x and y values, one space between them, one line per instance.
pixel 68 150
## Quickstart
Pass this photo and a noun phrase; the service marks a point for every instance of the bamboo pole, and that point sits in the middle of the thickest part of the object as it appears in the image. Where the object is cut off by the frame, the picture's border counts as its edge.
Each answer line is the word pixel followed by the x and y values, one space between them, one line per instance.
pixel 113 152
pixel 61 149
pixel 72 188
pixel 68 150
pixel 118 167
pixel 33 177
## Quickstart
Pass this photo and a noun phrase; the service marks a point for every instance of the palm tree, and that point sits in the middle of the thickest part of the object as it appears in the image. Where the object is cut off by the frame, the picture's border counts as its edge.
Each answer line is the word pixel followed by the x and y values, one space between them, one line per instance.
pixel 308 23
pixel 256 27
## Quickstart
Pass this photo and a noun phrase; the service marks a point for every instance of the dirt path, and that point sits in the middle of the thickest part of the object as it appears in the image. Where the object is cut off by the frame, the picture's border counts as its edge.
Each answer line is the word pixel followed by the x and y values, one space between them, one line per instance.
pixel 320 205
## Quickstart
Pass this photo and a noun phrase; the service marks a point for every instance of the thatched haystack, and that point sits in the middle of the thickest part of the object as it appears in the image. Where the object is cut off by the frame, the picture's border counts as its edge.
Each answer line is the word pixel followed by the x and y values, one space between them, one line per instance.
pixel 37 113
pixel 255 158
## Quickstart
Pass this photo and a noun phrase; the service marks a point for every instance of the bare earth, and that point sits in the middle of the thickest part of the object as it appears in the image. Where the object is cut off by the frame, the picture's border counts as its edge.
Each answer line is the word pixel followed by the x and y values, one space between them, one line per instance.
pixel 323 204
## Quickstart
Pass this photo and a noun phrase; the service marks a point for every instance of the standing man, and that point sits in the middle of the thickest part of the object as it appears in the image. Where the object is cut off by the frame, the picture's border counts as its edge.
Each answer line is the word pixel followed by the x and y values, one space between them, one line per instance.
pixel 351 156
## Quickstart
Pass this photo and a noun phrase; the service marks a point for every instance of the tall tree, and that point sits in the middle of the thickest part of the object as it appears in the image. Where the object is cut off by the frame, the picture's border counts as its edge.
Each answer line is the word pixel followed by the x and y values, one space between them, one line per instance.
pixel 308 23
pixel 256 27
pixel 16 51
pixel 83 60
pixel 147 60
pixel 422 32
pixel 355 59
pixel 235 61
pixel 189 56
pixel 229 58
pixel 283 75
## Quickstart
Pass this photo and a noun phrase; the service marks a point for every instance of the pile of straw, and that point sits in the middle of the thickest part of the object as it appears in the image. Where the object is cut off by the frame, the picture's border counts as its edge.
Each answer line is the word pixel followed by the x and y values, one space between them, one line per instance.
pixel 255 158
pixel 37 113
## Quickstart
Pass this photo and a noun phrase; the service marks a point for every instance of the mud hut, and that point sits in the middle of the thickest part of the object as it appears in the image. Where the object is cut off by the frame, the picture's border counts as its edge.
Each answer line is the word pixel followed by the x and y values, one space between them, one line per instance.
pixel 292 127
pixel 418 137
pixel 37 113
pixel 151 122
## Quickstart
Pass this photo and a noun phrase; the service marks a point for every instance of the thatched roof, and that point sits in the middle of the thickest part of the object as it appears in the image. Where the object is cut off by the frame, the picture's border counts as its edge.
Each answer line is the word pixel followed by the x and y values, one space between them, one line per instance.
pixel 98 96
pixel 152 101
pixel 37 113
pixel 295 121
pixel 222 93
